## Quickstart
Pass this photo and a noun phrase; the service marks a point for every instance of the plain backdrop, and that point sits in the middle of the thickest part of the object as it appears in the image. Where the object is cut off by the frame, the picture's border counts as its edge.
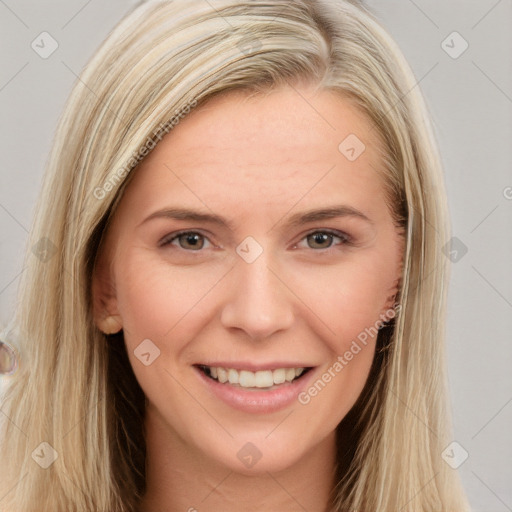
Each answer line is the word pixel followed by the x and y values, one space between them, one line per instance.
pixel 461 53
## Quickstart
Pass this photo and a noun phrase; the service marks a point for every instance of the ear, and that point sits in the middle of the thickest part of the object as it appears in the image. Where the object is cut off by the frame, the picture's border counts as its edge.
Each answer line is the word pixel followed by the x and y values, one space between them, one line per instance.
pixel 394 290
pixel 392 295
pixel 104 301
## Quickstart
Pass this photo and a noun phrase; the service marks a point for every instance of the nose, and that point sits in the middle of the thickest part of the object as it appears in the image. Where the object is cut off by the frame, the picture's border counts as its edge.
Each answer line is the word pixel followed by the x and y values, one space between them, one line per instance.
pixel 259 302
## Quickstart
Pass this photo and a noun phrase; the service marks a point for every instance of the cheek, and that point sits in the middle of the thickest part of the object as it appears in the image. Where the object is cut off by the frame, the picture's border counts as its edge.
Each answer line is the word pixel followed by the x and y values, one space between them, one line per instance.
pixel 346 308
pixel 339 384
pixel 347 299
pixel 154 298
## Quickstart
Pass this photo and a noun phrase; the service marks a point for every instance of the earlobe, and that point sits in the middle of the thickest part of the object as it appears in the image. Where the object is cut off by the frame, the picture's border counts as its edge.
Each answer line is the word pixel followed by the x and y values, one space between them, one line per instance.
pixel 110 324
pixel 105 313
pixel 106 316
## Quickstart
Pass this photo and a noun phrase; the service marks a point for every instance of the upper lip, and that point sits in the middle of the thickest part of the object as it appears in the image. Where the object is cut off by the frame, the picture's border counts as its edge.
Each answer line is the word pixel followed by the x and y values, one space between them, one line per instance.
pixel 254 367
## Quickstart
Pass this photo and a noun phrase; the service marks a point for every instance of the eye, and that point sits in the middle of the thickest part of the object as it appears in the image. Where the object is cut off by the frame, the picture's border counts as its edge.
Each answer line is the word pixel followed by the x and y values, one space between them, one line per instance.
pixel 195 241
pixel 188 240
pixel 325 239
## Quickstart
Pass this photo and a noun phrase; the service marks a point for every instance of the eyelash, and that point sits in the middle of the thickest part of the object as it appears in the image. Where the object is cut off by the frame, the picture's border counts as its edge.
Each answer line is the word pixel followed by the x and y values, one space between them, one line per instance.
pixel 344 239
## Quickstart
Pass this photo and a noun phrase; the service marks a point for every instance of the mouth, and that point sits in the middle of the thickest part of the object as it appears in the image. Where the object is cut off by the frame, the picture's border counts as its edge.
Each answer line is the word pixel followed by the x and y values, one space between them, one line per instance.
pixel 265 390
pixel 260 380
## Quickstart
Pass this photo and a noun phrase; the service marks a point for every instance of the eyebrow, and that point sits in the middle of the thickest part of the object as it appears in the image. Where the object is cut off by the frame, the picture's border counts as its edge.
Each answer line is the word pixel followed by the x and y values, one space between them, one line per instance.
pixel 295 220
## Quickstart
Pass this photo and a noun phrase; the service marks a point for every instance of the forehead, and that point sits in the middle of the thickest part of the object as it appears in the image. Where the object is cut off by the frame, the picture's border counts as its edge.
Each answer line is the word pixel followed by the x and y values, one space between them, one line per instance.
pixel 271 148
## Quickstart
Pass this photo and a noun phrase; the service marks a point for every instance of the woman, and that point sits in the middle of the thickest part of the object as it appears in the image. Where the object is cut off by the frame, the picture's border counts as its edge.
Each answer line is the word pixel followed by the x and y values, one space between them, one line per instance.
pixel 242 287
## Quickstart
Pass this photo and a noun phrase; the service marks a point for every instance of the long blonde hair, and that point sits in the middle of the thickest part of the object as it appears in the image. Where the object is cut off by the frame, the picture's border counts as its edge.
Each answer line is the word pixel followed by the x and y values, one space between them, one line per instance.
pixel 74 389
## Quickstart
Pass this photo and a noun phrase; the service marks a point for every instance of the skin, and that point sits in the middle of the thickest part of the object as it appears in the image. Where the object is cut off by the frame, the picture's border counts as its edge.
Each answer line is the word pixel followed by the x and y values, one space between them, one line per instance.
pixel 256 161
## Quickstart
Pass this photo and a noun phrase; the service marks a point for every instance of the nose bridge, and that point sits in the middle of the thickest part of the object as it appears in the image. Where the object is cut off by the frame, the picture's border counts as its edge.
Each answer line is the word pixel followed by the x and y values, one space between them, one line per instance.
pixel 258 302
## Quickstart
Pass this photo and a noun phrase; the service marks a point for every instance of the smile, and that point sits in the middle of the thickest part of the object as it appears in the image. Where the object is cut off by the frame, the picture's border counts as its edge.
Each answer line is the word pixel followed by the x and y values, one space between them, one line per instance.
pixel 262 379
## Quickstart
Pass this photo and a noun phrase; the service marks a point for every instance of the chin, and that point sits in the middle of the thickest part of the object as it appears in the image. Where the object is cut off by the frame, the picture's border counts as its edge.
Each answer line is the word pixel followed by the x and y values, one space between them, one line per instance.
pixel 253 455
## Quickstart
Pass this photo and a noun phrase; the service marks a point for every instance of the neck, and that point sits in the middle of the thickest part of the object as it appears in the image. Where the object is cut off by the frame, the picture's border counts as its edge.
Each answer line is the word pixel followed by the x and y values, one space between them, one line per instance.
pixel 179 478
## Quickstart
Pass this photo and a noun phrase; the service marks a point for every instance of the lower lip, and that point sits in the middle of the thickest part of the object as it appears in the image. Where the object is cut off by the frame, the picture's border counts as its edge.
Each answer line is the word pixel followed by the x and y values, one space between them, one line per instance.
pixel 261 402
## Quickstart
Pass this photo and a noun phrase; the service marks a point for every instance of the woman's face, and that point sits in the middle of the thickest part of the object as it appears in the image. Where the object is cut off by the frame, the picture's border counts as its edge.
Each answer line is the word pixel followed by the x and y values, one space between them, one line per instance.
pixel 254 241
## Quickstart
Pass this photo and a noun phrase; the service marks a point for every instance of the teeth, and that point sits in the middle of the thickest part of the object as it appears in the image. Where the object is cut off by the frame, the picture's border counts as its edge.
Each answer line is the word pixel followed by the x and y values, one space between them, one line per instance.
pixel 279 376
pixel 233 376
pixel 259 379
pixel 222 375
pixel 247 379
pixel 264 379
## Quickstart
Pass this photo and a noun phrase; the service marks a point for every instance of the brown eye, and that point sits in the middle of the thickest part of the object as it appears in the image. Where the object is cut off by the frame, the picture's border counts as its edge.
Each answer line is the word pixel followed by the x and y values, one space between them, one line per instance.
pixel 320 240
pixel 189 240
pixel 192 241
pixel 325 239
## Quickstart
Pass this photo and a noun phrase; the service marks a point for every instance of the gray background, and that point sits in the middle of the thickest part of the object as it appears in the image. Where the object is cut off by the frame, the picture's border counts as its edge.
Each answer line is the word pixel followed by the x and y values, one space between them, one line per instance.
pixel 470 98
